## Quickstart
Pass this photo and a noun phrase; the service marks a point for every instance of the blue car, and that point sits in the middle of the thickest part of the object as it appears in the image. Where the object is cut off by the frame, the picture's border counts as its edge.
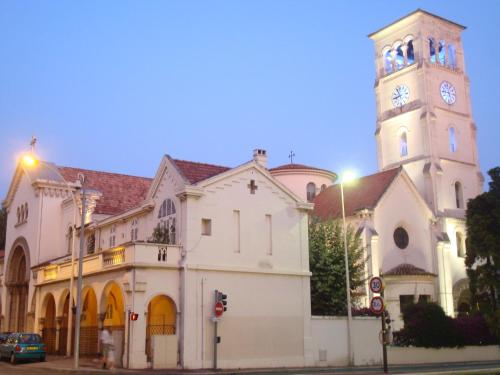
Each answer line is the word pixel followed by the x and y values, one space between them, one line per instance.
pixel 23 346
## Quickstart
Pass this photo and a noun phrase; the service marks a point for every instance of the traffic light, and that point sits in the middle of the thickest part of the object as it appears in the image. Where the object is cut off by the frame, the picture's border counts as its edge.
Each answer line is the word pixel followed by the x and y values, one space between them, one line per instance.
pixel 387 320
pixel 134 316
pixel 222 298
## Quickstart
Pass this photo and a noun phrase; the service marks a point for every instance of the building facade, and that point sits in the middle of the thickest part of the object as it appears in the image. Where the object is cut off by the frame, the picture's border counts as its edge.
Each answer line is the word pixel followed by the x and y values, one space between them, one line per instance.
pixel 160 247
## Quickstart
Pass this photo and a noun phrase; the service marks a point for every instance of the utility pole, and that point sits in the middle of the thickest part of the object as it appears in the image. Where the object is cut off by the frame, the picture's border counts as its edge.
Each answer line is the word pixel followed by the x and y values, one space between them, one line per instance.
pixel 81 177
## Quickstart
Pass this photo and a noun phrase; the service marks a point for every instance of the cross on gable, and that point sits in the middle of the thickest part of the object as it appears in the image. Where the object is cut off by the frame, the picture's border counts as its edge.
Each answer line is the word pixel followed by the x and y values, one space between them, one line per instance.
pixel 252 186
pixel 290 156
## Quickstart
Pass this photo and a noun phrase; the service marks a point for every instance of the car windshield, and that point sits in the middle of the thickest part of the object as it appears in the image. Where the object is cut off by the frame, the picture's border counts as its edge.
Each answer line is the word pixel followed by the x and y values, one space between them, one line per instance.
pixel 29 338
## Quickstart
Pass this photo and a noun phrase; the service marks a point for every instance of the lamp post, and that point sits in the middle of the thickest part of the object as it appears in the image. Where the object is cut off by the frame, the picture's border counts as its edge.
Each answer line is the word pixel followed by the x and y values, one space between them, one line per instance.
pixel 29 160
pixel 81 177
pixel 347 177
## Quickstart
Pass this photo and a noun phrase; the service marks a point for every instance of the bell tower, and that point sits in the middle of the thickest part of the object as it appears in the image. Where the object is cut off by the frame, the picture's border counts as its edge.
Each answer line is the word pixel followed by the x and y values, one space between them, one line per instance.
pixel 424 117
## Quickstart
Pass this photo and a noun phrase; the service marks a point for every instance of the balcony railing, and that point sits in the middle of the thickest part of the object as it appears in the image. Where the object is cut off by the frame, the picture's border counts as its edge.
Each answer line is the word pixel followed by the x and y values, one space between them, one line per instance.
pixel 131 254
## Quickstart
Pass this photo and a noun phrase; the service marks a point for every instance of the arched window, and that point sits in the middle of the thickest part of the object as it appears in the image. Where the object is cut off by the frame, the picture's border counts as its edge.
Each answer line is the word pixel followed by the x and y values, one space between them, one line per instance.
pixel 459 195
pixel 388 61
pixel 442 52
pixel 26 211
pixel 400 58
pixel 453 140
pixel 167 223
pixel 18 215
pixel 460 245
pixel 323 187
pixel 22 213
pixel 403 144
pixel 410 53
pixel 452 56
pixel 432 50
pixel 311 191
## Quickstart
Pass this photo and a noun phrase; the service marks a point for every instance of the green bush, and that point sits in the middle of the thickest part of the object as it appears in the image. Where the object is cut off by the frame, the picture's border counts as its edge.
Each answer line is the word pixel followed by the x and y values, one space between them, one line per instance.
pixel 427 325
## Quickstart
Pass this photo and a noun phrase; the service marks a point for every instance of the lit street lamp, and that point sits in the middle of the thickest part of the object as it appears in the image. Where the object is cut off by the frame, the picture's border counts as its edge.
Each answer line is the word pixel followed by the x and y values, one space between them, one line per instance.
pixel 346 177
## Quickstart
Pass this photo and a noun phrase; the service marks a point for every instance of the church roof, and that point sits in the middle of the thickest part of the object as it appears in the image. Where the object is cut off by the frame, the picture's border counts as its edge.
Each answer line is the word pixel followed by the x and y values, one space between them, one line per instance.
pixel 120 192
pixel 195 172
pixel 364 193
pixel 294 166
pixel 406 269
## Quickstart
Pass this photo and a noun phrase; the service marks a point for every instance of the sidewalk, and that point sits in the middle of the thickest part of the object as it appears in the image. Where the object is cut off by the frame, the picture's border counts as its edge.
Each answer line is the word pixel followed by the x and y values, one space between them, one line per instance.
pixel 92 366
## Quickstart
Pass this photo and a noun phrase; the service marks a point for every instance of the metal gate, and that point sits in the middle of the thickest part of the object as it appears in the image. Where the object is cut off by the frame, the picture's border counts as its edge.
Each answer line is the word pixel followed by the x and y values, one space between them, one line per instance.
pixel 49 339
pixel 156 329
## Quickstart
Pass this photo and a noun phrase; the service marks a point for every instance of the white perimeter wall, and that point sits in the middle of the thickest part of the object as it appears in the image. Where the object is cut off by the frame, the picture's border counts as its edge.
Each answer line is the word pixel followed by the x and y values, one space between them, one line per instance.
pixel 403 356
pixel 329 333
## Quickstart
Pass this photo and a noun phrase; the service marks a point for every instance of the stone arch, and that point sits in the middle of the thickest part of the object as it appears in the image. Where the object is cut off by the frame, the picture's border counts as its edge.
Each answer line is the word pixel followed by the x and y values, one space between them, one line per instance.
pixel 461 297
pixel 89 337
pixel 65 312
pixel 112 314
pixel 161 319
pixel 48 322
pixel 17 282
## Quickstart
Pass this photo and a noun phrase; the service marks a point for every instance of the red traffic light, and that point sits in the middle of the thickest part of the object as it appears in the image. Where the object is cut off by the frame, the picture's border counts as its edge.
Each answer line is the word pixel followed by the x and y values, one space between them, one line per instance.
pixel 134 316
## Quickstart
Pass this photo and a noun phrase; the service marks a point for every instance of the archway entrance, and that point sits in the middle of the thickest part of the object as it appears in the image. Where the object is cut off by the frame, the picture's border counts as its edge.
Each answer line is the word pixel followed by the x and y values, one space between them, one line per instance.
pixel 17 292
pixel 88 327
pixel 49 330
pixel 63 331
pixel 161 320
pixel 114 317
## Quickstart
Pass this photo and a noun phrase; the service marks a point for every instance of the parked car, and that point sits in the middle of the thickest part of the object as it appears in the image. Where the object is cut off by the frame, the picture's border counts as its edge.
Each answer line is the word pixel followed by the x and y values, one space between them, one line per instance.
pixel 23 346
pixel 3 336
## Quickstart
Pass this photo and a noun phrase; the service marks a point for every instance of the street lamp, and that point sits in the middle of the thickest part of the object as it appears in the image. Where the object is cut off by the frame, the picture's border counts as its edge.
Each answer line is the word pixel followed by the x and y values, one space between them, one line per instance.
pixel 29 160
pixel 345 178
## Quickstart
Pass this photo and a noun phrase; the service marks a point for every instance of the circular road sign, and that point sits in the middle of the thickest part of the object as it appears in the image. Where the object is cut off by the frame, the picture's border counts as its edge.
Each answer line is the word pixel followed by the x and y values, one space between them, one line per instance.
pixel 219 309
pixel 377 305
pixel 376 284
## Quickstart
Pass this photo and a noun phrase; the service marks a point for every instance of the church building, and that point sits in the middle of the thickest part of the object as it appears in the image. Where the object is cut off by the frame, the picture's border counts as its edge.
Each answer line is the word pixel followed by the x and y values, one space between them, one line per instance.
pixel 411 214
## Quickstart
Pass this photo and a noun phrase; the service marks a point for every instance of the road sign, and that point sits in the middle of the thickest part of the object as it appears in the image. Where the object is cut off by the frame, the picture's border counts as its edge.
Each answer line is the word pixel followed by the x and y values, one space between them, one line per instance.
pixel 377 305
pixel 376 284
pixel 219 309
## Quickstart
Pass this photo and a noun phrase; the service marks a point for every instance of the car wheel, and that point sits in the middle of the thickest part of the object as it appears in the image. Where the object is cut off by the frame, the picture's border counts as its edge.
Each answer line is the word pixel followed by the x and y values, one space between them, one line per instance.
pixel 42 358
pixel 13 359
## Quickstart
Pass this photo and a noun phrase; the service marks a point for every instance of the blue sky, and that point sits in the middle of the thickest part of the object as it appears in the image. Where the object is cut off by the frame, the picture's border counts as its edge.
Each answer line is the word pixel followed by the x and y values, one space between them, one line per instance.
pixel 114 85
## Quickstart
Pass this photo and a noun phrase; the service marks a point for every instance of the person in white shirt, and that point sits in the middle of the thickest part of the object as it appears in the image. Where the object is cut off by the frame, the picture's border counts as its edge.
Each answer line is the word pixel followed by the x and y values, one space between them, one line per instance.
pixel 108 349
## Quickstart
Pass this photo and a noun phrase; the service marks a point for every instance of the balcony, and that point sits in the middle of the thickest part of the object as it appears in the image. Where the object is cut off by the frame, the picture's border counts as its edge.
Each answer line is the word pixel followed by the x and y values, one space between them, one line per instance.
pixel 128 255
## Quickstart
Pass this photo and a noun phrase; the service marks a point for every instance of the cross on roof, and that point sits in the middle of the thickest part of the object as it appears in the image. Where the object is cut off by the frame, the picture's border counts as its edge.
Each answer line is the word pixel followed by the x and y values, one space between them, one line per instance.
pixel 290 156
pixel 252 186
pixel 33 143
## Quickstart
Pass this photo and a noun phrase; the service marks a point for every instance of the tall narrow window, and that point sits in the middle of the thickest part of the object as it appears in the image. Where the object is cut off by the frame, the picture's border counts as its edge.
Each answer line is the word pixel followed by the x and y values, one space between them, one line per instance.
pixel 403 144
pixel 311 191
pixel 269 235
pixel 442 52
pixel 236 231
pixel 206 227
pixel 388 62
pixel 410 53
pixel 460 245
pixel 432 50
pixel 70 239
pixel 112 236
pixel 134 230
pixel 453 140
pixel 452 56
pixel 400 58
pixel 459 195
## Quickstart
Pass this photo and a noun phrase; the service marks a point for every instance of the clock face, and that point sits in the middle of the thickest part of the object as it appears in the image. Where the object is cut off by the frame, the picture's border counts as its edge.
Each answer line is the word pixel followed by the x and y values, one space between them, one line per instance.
pixel 400 95
pixel 448 92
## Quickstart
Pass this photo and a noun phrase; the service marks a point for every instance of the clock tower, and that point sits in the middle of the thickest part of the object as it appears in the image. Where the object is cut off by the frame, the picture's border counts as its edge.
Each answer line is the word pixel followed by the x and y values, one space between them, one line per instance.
pixel 424 117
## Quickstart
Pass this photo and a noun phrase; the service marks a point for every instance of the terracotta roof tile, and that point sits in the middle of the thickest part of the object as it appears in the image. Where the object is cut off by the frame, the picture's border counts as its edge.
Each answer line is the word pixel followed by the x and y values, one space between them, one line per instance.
pixel 363 194
pixel 406 269
pixel 293 166
pixel 196 172
pixel 119 192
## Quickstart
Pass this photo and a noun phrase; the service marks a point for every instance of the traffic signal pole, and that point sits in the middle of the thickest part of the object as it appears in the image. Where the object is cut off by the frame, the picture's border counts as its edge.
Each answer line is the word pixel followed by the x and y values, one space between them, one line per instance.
pixel 384 336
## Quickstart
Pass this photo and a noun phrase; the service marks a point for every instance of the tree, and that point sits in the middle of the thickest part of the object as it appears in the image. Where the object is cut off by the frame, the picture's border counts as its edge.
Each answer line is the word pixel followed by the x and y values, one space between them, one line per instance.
pixel 3 227
pixel 483 247
pixel 327 264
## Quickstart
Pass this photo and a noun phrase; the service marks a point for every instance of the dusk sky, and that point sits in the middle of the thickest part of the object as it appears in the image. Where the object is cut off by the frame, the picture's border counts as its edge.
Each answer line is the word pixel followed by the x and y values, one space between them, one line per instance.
pixel 114 85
